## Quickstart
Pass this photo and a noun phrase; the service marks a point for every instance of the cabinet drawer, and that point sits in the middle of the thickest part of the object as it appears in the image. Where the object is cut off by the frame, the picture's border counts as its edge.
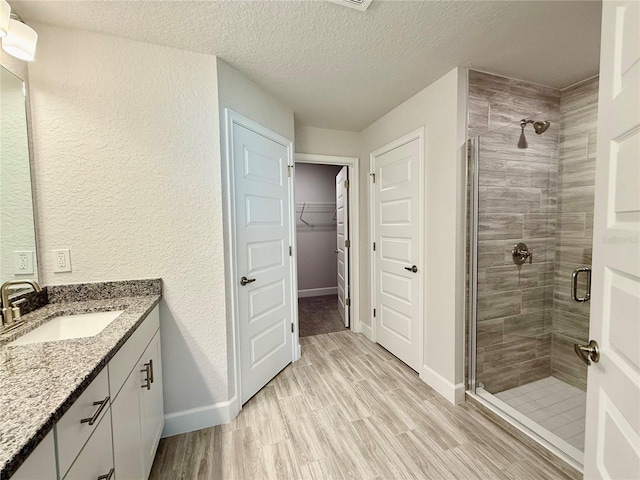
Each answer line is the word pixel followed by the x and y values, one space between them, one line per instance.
pixel 127 357
pixel 75 427
pixel 96 458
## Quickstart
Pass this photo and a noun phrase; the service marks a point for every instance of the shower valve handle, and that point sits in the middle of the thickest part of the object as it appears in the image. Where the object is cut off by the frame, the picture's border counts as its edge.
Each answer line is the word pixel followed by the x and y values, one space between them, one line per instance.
pixel 521 254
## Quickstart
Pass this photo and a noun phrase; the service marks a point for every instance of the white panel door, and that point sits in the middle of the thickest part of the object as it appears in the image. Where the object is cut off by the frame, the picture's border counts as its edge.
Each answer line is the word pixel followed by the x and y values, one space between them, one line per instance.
pixel 342 229
pixel 398 275
pixel 612 446
pixel 262 249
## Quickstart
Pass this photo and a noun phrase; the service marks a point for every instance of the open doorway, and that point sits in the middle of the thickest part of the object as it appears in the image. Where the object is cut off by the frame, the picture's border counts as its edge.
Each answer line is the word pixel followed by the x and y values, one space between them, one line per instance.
pixel 325 196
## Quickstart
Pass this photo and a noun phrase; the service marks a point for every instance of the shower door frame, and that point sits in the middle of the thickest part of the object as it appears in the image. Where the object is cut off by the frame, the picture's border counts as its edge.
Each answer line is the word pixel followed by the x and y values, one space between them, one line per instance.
pixel 528 427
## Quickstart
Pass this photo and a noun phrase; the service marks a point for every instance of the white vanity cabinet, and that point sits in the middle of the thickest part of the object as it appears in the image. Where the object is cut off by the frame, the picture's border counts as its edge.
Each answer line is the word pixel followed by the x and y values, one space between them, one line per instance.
pixel 41 464
pixel 151 403
pixel 112 430
pixel 135 374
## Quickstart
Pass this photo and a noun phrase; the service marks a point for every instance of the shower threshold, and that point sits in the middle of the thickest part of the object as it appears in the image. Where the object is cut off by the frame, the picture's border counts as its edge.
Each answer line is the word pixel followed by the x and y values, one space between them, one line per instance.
pixel 553 442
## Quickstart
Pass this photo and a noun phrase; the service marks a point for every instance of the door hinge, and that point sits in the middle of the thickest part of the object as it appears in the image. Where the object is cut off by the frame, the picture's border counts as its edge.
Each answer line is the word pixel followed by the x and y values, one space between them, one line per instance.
pixel 289 170
pixel 292 328
pixel 290 251
pixel 347 244
pixel 373 177
pixel 347 302
pixel 346 184
pixel 374 312
pixel 374 246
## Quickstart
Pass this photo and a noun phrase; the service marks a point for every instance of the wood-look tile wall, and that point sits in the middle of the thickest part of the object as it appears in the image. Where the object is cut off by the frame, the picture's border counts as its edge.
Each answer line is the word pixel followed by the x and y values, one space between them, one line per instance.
pixel 543 196
pixel 574 228
pixel 518 202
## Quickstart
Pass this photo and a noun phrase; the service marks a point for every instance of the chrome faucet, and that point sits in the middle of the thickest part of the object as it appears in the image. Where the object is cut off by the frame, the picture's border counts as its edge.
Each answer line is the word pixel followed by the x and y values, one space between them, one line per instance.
pixel 10 311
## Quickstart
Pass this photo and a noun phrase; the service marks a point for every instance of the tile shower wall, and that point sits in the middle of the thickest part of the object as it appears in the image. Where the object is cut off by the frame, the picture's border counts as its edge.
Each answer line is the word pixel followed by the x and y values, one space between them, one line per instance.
pixel 574 230
pixel 518 202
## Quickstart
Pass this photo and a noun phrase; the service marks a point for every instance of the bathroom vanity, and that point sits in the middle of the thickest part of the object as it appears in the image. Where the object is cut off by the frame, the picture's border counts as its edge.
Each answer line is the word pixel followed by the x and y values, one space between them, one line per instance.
pixel 89 407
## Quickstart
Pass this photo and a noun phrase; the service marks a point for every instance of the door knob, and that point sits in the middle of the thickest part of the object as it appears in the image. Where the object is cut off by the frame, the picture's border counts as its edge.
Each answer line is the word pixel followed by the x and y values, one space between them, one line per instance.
pixel 245 280
pixel 588 353
pixel 413 268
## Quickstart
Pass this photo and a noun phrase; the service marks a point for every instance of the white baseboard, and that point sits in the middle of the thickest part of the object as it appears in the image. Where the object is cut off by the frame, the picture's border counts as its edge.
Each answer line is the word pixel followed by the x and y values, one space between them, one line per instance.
pixel 198 418
pixel 365 330
pixel 453 392
pixel 317 292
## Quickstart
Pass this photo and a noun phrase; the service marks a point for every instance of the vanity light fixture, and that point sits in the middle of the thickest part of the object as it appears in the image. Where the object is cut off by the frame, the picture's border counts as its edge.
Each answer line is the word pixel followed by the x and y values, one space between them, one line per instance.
pixel 5 14
pixel 21 39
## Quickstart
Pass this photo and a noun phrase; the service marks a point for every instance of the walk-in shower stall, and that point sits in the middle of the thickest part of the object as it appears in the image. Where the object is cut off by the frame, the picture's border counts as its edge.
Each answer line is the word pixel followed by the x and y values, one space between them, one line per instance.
pixel 531 189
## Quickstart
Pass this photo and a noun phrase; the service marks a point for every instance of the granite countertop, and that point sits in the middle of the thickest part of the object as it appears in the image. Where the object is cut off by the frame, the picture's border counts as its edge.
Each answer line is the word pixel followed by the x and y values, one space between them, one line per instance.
pixel 39 382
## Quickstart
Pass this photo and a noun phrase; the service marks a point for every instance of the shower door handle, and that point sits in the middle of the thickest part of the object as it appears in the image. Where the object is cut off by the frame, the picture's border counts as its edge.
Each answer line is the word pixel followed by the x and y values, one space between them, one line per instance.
pixel 574 284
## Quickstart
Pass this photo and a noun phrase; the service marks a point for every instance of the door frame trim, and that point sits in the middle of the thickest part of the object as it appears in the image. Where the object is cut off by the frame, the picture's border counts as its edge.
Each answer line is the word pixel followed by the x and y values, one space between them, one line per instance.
pixel 352 164
pixel 417 134
pixel 232 118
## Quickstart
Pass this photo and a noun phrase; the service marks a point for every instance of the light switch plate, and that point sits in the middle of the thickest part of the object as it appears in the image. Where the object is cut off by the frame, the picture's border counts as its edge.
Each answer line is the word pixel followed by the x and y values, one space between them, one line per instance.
pixel 61 261
pixel 23 262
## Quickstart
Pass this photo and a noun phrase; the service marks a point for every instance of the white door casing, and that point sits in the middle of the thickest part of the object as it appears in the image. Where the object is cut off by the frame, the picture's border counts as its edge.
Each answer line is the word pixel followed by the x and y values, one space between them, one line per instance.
pixel 397 232
pixel 342 235
pixel 259 162
pixel 612 437
pixel 353 266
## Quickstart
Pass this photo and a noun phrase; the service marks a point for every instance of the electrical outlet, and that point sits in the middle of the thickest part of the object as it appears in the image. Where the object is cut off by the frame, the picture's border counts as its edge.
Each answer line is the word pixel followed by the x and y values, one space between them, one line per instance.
pixel 61 261
pixel 23 262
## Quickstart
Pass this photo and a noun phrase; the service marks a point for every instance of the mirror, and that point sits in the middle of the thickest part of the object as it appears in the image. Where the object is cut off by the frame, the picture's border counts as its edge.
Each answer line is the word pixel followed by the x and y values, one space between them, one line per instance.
pixel 18 259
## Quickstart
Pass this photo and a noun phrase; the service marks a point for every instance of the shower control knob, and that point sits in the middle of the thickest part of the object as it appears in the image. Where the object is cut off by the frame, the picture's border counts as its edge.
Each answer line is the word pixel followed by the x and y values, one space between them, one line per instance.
pixel 520 253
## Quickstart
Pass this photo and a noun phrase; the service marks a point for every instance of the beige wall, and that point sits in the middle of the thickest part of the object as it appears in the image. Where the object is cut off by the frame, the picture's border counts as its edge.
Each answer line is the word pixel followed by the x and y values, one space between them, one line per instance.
pixel 441 109
pixel 127 167
pixel 316 244
pixel 323 141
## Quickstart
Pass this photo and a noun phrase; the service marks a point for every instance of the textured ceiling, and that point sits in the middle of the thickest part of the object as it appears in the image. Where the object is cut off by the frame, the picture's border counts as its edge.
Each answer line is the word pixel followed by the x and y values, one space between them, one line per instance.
pixel 341 68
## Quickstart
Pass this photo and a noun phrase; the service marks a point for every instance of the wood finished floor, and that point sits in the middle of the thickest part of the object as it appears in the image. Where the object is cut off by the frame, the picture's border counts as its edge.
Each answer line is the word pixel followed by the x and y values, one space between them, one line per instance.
pixel 349 409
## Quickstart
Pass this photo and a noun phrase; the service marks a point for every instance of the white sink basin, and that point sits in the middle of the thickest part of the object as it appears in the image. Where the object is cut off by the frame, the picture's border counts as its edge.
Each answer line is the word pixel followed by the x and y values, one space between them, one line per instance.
pixel 66 327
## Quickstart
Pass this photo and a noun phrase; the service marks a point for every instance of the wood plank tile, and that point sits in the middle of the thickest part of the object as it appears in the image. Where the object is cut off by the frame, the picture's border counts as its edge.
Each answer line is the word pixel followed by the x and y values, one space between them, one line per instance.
pixel 313 422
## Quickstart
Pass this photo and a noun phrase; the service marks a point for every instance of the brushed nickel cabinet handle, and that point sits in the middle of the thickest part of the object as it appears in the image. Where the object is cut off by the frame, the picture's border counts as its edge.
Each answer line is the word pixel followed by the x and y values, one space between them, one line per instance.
pixel 147 380
pixel 108 476
pixel 151 370
pixel 103 404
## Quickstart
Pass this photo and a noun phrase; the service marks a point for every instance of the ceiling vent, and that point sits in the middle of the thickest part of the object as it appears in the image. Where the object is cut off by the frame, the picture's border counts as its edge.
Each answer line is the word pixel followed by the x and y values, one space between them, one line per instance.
pixel 361 5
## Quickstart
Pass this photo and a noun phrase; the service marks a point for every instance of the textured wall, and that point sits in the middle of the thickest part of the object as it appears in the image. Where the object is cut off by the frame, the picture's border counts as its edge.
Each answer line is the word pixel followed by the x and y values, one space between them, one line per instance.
pixel 16 203
pixel 517 203
pixel 574 231
pixel 440 110
pixel 317 260
pixel 128 177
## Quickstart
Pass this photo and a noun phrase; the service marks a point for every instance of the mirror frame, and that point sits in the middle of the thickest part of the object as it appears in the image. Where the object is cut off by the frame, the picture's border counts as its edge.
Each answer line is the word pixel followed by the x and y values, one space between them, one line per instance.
pixel 19 68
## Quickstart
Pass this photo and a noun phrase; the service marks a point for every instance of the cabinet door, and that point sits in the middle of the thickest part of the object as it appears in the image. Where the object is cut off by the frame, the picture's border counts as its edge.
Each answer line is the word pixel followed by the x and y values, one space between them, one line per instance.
pixel 96 458
pixel 151 403
pixel 41 464
pixel 127 439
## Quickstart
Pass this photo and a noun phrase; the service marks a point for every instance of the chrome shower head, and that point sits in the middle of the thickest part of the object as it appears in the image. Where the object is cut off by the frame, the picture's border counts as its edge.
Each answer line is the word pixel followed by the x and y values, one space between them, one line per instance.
pixel 541 126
